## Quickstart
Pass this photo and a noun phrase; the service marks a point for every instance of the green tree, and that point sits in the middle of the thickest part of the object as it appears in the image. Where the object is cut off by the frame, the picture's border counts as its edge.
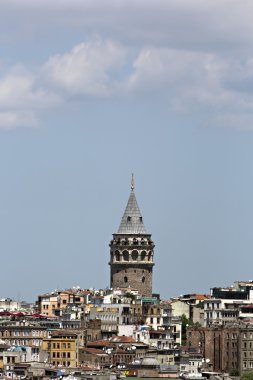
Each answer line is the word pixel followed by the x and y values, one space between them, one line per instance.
pixel 185 323
pixel 234 372
pixel 248 375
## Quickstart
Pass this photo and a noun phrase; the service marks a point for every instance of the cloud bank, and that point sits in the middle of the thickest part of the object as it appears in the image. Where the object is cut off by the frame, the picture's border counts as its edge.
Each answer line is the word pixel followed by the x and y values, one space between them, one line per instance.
pixel 195 55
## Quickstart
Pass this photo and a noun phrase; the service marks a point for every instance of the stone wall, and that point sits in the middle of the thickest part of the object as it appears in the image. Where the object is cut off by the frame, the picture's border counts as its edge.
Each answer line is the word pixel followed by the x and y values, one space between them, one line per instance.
pixel 137 276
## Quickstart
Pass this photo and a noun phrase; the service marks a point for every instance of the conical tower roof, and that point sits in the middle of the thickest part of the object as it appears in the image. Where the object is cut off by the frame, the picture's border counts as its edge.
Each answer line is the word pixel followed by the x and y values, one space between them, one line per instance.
pixel 131 222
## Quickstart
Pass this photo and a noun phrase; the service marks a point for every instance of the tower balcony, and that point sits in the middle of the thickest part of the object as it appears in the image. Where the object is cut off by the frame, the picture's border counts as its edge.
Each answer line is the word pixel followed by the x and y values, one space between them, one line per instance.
pixel 132 263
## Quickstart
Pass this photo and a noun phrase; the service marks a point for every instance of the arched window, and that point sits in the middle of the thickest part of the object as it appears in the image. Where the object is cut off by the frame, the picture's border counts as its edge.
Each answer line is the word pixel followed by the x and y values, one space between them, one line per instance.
pixel 143 280
pixel 135 255
pixel 143 255
pixel 125 255
pixel 117 256
pixel 125 279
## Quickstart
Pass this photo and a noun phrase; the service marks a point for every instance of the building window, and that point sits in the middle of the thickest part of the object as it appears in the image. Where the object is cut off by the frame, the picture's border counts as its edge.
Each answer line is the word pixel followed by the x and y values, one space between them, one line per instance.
pixel 125 279
pixel 134 255
pixel 143 279
pixel 143 255
pixel 125 255
pixel 117 256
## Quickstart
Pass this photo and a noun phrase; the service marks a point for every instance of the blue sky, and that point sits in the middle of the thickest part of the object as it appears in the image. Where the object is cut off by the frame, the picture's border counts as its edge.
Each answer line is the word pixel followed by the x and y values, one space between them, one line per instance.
pixel 91 91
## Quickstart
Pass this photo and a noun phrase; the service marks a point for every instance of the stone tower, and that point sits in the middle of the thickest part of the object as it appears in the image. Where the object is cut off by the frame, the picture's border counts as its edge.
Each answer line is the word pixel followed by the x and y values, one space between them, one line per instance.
pixel 131 251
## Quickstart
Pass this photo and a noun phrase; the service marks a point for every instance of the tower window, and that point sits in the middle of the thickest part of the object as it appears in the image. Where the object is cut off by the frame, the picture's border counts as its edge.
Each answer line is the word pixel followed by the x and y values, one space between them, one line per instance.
pixel 126 255
pixel 143 280
pixel 117 256
pixel 140 218
pixel 129 218
pixel 125 279
pixel 135 255
pixel 143 255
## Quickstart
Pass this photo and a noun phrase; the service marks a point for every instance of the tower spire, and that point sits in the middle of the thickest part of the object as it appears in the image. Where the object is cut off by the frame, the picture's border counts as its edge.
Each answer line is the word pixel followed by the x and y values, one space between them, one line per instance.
pixel 131 222
pixel 132 182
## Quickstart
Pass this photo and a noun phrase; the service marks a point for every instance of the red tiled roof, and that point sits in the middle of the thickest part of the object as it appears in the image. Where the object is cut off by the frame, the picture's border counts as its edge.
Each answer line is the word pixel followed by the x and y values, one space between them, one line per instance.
pixel 201 297
pixel 91 350
pixel 65 332
pixel 122 339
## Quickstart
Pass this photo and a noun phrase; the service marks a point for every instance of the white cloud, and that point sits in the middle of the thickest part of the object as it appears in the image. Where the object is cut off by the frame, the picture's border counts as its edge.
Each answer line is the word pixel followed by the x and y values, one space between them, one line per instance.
pixel 186 78
pixel 210 25
pixel 21 97
pixel 86 69
pixel 15 119
pixel 20 90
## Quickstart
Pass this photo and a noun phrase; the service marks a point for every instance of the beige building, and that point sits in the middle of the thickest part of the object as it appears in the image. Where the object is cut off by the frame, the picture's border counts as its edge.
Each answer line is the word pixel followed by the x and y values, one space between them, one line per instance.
pixel 62 347
pixel 19 333
pixel 52 304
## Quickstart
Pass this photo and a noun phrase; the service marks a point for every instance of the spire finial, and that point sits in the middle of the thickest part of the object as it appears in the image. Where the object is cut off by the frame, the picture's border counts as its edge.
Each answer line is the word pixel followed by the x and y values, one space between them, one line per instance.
pixel 132 182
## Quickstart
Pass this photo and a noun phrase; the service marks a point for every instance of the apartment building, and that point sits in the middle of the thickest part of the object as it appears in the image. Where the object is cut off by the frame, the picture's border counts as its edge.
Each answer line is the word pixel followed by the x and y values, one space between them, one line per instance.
pixel 62 347
pixel 225 347
pixel 53 304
